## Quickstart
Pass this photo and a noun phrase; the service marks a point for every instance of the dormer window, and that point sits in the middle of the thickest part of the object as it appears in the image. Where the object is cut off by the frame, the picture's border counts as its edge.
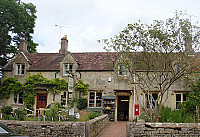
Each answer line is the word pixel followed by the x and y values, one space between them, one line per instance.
pixel 20 70
pixel 122 70
pixel 67 68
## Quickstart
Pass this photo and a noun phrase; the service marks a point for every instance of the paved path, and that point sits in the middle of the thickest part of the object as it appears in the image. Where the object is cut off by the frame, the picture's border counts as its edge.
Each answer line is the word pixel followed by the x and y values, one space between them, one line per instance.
pixel 114 129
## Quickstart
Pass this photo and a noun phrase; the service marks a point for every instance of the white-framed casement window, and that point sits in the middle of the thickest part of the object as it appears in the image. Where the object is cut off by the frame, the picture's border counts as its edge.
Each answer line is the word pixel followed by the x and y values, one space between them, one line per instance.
pixel 20 69
pixel 95 99
pixel 122 70
pixel 17 98
pixel 67 68
pixel 151 99
pixel 179 98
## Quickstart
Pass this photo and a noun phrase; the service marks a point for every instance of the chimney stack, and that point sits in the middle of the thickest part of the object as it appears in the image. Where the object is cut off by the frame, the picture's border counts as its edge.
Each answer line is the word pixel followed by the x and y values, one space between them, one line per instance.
pixel 64 45
pixel 23 45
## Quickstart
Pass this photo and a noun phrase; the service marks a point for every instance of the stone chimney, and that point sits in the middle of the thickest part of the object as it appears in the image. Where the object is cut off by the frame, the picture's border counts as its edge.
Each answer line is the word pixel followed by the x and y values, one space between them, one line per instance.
pixel 23 45
pixel 64 45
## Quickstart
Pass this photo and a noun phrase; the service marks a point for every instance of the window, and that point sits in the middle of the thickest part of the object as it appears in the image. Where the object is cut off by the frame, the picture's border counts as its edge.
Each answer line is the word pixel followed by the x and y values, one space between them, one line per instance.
pixel 122 70
pixel 95 99
pixel 17 98
pixel 150 100
pixel 67 68
pixel 20 69
pixel 179 98
pixel 63 98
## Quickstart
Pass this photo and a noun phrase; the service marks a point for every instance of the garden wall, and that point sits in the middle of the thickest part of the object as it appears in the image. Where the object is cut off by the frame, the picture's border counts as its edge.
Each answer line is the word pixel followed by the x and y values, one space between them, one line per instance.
pixel 54 129
pixel 163 129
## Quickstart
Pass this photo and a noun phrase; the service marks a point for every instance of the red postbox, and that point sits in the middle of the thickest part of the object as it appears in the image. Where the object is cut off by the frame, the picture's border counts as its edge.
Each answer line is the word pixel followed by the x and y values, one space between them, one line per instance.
pixel 137 110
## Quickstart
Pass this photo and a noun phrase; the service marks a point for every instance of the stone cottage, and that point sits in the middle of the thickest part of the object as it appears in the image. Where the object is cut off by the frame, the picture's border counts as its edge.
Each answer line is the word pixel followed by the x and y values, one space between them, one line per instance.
pixel 106 93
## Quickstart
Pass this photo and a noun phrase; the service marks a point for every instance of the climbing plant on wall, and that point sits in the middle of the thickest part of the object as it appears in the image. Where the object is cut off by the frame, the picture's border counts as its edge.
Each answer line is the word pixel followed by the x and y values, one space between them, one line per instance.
pixel 31 82
pixel 8 86
pixel 81 87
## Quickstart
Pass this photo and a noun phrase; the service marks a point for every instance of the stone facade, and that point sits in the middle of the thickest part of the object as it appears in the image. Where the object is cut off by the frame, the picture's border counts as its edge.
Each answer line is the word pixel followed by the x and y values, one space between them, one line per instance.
pixel 97 69
pixel 58 129
pixel 162 129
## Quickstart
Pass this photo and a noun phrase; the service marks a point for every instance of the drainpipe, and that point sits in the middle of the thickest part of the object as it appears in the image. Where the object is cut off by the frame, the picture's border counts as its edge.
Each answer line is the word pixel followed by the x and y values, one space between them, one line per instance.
pixel 134 90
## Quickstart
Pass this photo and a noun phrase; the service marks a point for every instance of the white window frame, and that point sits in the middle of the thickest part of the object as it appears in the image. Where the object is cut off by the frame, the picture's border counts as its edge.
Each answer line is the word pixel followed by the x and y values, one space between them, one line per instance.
pixel 123 70
pixel 20 69
pixel 182 99
pixel 95 100
pixel 67 68
pixel 17 97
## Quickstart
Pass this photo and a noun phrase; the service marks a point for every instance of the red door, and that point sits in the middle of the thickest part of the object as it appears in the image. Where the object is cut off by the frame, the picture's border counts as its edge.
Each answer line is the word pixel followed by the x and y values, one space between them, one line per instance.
pixel 41 101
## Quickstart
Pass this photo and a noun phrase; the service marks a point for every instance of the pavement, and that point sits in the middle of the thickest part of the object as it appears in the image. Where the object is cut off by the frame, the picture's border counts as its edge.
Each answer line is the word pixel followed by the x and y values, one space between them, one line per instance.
pixel 114 129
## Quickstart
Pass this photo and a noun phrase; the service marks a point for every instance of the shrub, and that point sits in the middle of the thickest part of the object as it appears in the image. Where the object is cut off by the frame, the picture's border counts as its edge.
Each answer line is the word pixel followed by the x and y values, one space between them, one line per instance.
pixel 82 103
pixel 175 116
pixel 6 110
pixel 54 112
pixel 20 114
pixel 93 115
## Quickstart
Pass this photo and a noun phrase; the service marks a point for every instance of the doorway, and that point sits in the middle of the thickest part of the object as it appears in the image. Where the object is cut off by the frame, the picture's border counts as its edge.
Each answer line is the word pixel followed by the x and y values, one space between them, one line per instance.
pixel 123 108
pixel 41 100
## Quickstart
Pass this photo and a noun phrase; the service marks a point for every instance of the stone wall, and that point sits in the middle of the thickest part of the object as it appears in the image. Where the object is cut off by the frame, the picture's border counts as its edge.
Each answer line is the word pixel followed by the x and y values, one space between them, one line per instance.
pixel 55 129
pixel 162 129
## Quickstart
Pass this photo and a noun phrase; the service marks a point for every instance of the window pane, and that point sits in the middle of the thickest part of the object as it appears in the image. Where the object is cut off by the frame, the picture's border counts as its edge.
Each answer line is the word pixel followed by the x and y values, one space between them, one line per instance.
pixel 22 68
pixel 20 98
pixel 178 97
pixel 70 67
pixel 147 100
pixel 18 69
pixel 98 99
pixel 184 97
pixel 92 94
pixel 91 99
pixel 15 97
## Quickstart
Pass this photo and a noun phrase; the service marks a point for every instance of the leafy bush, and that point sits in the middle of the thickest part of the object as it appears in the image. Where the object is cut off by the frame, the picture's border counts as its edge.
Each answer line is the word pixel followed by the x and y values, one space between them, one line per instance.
pixel 175 116
pixel 20 114
pixel 82 103
pixel 53 112
pixel 6 110
pixel 93 115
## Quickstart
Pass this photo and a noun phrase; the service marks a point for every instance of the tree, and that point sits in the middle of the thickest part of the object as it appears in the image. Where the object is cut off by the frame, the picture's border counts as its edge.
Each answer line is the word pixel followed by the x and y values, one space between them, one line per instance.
pixel 17 20
pixel 156 56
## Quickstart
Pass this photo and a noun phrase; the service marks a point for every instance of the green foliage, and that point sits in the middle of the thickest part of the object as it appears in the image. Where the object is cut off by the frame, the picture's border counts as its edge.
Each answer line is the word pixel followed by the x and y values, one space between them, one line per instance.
pixel 17 19
pixel 31 82
pixel 81 87
pixel 9 85
pixel 6 110
pixel 175 116
pixel 53 112
pixel 82 103
pixel 56 85
pixel 93 115
pixel 20 114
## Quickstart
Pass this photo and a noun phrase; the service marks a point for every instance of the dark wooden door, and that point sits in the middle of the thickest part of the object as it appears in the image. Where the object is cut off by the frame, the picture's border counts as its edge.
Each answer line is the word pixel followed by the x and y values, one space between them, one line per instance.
pixel 41 100
pixel 123 108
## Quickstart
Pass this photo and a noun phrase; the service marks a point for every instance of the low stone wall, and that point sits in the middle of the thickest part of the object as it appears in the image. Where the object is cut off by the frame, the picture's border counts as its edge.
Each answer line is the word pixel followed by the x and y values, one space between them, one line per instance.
pixel 58 129
pixel 163 129
pixel 96 125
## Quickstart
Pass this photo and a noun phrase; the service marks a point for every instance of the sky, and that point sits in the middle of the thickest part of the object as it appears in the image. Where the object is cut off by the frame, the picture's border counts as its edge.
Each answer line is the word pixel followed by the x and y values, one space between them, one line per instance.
pixel 86 21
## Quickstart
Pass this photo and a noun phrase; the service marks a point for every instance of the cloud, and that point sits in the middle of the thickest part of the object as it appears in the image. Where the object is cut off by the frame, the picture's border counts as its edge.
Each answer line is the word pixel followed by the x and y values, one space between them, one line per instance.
pixel 87 21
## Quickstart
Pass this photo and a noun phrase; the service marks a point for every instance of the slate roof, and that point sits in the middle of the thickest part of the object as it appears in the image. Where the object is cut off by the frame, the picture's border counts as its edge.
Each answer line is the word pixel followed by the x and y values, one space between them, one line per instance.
pixel 87 61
